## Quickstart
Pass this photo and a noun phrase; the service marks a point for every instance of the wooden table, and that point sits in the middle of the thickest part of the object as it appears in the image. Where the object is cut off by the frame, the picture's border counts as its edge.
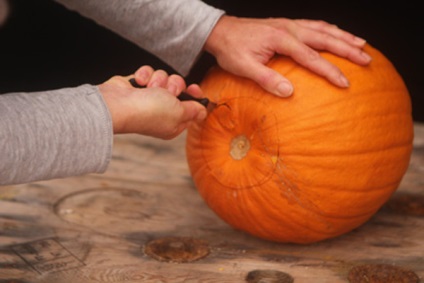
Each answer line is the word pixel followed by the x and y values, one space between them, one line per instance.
pixel 143 221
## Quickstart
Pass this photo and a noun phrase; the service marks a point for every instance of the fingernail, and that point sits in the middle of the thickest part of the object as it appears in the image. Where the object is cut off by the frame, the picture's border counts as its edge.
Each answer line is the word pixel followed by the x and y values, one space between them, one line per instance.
pixel 284 89
pixel 172 89
pixel 142 76
pixel 201 115
pixel 154 84
pixel 343 81
pixel 366 56
pixel 360 40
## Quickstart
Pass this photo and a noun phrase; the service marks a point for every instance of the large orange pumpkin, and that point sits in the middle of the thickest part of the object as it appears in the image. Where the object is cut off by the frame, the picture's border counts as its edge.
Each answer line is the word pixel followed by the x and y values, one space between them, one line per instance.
pixel 305 168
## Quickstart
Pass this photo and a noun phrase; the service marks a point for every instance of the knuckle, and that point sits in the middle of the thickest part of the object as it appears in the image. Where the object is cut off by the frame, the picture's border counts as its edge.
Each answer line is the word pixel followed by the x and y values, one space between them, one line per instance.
pixel 312 55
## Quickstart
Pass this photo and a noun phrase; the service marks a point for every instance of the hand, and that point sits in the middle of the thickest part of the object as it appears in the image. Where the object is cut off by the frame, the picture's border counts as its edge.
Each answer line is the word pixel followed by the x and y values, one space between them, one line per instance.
pixel 243 46
pixel 154 111
pixel 4 11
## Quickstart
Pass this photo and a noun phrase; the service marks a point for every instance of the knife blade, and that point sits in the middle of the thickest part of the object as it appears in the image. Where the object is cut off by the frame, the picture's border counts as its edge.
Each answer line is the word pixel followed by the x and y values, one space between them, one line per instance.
pixel 185 97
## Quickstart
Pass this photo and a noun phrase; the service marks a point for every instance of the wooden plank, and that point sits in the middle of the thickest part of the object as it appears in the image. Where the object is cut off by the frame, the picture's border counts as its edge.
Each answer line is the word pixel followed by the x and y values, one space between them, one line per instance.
pixel 98 228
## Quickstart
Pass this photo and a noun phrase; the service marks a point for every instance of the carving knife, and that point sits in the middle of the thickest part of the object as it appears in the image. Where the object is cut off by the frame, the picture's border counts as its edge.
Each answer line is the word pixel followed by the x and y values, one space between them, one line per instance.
pixel 185 97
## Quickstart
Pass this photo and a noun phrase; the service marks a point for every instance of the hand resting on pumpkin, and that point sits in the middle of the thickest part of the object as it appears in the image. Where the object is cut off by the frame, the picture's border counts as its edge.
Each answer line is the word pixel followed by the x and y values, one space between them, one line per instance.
pixel 243 46
pixel 154 110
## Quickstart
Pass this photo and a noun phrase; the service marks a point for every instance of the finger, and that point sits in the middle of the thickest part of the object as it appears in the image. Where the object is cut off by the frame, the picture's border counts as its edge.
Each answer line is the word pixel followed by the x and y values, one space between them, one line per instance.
pixel 175 84
pixel 159 78
pixel 177 131
pixel 327 42
pixel 143 74
pixel 192 111
pixel 312 60
pixel 333 30
pixel 268 79
pixel 195 90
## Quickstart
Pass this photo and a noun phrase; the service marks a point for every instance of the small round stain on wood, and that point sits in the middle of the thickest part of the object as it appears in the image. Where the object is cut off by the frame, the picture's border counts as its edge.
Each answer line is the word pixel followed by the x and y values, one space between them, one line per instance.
pixel 268 276
pixel 381 273
pixel 177 249
pixel 409 204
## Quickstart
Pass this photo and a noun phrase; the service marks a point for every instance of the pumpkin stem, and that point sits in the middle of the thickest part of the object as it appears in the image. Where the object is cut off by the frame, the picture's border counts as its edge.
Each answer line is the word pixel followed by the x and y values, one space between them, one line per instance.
pixel 239 147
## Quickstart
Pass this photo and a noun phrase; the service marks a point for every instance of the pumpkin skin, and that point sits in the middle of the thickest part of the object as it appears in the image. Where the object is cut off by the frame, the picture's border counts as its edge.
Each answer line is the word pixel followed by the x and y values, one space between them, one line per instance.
pixel 305 168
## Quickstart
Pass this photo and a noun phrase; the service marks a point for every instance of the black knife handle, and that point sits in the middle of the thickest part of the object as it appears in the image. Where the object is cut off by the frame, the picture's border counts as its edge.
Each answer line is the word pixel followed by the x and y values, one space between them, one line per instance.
pixel 182 97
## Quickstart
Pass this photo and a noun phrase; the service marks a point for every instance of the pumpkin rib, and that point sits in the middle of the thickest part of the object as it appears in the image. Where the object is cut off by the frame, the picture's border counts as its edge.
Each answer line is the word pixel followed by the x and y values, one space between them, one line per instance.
pixel 313 207
pixel 263 180
pixel 262 227
pixel 317 209
pixel 340 153
pixel 289 185
pixel 363 190
pixel 317 217
pixel 322 187
pixel 303 179
pixel 320 106
pixel 290 127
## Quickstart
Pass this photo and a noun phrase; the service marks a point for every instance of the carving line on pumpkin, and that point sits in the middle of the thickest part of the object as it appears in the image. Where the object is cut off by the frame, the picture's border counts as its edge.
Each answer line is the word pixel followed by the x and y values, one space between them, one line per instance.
pixel 222 121
pixel 277 166
pixel 224 115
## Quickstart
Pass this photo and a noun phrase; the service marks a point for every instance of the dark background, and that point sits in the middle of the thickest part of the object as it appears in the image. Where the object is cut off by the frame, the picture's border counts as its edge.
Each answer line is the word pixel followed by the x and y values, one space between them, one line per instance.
pixel 44 46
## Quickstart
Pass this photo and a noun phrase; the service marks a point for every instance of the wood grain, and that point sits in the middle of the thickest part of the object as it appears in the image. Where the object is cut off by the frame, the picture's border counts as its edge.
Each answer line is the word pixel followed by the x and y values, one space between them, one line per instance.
pixel 95 228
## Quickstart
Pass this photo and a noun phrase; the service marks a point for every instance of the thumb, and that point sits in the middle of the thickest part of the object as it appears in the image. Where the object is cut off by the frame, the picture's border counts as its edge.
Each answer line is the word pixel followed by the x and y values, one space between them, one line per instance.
pixel 192 111
pixel 188 112
pixel 270 80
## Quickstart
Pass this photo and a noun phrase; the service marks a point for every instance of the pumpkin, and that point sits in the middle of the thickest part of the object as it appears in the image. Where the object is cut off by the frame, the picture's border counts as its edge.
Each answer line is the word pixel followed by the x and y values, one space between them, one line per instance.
pixel 309 167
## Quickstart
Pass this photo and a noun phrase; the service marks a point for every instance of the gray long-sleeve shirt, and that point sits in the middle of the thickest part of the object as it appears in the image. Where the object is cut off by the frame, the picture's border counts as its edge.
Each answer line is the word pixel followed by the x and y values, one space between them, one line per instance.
pixel 68 132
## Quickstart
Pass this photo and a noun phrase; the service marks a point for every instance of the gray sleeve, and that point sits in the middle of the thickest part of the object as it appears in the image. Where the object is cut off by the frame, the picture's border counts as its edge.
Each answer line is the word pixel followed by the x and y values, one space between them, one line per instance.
pixel 173 30
pixel 53 134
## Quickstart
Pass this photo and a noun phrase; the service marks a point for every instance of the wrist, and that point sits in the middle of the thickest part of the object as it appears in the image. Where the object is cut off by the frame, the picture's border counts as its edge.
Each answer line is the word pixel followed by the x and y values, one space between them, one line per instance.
pixel 112 103
pixel 216 37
